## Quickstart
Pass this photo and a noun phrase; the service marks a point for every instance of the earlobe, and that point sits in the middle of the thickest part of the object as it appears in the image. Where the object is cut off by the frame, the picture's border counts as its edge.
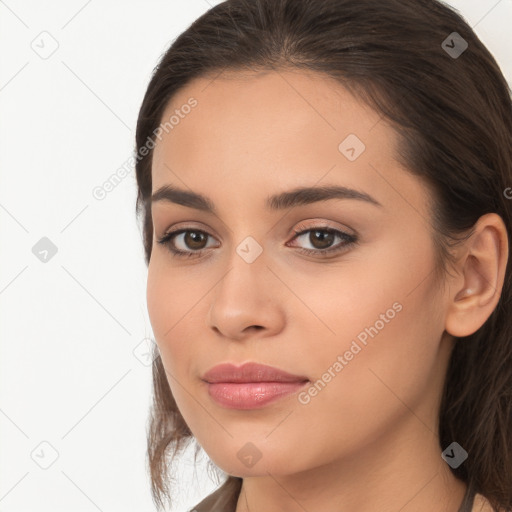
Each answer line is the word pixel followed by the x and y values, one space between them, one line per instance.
pixel 481 275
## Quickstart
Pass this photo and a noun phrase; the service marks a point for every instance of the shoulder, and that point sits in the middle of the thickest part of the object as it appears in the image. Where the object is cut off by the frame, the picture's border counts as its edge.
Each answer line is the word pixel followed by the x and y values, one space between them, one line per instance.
pixel 481 504
pixel 223 499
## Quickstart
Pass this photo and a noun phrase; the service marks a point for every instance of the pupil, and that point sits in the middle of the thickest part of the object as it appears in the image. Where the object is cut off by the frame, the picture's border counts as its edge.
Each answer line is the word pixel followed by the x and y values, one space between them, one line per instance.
pixel 323 237
pixel 193 237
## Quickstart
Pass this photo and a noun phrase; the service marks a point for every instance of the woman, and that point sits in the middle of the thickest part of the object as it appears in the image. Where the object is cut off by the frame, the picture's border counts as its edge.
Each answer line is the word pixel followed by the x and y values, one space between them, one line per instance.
pixel 325 196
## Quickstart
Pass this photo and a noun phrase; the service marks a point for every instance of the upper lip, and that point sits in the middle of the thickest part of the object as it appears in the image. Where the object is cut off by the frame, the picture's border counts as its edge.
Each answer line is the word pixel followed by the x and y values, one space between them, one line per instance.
pixel 249 372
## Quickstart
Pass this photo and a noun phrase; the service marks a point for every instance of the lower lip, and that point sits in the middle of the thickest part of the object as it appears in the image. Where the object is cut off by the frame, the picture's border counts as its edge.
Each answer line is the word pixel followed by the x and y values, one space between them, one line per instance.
pixel 251 395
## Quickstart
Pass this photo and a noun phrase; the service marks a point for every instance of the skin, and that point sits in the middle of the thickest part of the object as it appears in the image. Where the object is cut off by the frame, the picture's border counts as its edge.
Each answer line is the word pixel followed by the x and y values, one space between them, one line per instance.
pixel 367 441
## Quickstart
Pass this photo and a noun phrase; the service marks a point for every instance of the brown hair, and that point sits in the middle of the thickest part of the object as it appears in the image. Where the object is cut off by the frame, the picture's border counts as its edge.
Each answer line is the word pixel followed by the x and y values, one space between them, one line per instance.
pixel 453 118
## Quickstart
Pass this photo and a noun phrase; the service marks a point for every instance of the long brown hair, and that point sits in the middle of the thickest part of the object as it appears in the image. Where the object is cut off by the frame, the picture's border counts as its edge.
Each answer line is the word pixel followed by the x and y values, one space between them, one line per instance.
pixel 452 112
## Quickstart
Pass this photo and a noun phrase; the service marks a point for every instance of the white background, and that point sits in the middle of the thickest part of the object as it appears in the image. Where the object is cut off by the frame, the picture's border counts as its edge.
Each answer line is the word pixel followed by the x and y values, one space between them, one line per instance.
pixel 69 327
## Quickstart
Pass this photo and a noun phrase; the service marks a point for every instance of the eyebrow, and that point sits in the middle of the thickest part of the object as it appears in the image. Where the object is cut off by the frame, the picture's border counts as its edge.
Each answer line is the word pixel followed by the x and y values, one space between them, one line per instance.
pixel 295 197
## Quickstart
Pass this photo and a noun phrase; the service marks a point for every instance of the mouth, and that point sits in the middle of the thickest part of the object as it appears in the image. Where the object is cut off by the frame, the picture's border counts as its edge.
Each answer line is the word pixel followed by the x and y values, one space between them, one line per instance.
pixel 250 386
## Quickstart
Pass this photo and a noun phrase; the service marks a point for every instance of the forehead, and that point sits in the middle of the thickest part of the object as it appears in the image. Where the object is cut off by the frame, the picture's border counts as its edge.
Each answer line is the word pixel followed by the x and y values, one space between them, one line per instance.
pixel 268 111
pixel 273 130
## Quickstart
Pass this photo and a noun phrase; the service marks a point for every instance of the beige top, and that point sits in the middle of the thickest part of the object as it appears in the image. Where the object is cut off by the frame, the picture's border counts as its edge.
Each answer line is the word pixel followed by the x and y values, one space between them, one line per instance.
pixel 225 498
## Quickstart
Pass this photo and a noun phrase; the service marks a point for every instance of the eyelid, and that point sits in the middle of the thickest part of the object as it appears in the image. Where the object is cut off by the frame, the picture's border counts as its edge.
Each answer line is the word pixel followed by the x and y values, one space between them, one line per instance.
pixel 187 226
pixel 322 224
pixel 298 229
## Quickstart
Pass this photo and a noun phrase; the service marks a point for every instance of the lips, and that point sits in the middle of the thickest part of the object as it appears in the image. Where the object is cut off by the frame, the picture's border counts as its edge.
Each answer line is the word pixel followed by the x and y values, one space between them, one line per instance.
pixel 250 386
pixel 249 372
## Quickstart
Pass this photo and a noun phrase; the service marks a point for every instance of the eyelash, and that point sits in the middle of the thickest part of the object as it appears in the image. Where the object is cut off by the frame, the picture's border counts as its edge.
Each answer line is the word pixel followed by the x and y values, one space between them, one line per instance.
pixel 349 241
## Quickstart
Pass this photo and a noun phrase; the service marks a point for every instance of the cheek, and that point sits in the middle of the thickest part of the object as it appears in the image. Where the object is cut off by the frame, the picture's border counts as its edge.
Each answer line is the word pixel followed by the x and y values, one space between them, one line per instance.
pixel 385 326
pixel 176 308
pixel 158 297
pixel 379 383
pixel 361 297
pixel 168 316
pixel 170 305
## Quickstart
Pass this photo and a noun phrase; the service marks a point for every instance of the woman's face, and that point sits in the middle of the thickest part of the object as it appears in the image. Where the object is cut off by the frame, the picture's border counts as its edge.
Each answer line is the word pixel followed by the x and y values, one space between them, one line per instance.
pixel 363 323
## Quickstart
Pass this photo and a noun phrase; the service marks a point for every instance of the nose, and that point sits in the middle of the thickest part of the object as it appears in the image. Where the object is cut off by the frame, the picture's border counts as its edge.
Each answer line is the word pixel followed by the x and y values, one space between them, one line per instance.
pixel 247 302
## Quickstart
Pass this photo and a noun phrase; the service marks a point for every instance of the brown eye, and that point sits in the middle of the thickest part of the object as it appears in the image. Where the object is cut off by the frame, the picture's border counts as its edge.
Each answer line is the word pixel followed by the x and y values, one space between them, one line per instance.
pixel 194 239
pixel 185 242
pixel 322 239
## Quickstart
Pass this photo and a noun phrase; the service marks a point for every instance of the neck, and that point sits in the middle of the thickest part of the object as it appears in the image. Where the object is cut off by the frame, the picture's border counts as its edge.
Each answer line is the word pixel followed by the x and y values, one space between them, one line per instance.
pixel 401 471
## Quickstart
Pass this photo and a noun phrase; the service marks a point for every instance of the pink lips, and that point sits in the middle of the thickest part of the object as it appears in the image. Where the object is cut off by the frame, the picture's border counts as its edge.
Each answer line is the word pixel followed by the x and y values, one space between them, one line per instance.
pixel 251 385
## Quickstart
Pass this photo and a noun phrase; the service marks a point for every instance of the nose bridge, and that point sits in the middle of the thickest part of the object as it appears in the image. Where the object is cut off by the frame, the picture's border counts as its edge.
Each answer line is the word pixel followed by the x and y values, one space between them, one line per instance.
pixel 246 243
pixel 245 296
pixel 247 271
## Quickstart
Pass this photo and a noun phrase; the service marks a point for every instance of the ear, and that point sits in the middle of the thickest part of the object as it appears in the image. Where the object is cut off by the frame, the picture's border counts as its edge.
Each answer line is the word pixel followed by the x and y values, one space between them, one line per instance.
pixel 477 287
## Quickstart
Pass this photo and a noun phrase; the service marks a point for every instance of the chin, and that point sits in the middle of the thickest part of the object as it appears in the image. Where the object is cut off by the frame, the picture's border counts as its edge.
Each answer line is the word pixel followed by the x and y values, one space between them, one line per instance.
pixel 248 461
